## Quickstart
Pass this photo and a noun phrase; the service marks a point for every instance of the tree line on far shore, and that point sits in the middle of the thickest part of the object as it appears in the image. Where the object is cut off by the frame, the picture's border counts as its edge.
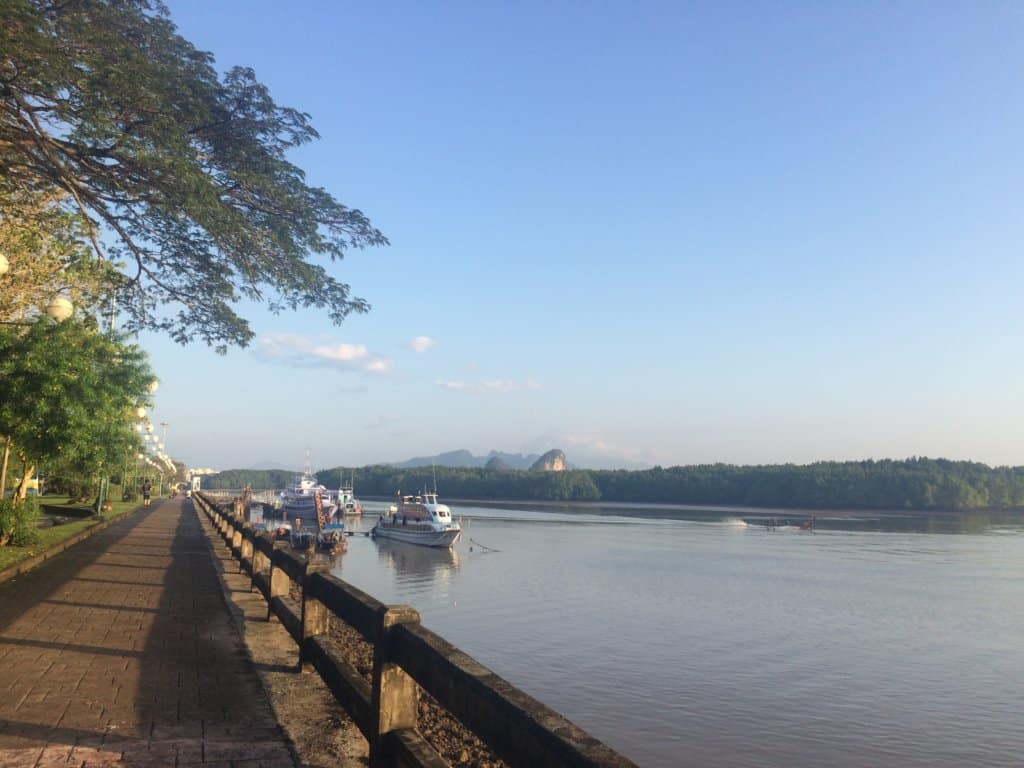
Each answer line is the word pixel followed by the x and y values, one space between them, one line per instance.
pixel 911 484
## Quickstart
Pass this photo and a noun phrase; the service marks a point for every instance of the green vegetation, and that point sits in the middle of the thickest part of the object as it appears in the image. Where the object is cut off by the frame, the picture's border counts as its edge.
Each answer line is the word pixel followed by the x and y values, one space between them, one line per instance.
pixel 176 176
pixel 18 522
pixel 67 399
pixel 911 484
pixel 45 538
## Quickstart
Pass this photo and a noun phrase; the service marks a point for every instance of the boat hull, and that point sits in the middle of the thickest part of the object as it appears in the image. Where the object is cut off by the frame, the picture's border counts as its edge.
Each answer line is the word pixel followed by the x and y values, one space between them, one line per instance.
pixel 443 539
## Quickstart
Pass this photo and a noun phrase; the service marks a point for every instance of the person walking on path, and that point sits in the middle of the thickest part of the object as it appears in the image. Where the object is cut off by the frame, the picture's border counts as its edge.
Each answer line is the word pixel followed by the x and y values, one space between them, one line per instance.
pixel 147 490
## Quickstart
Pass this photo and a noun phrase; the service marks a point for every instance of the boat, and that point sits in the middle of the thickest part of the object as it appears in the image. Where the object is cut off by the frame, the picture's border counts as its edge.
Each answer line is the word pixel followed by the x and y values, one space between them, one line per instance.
pixel 299 499
pixel 348 504
pixel 301 538
pixel 331 537
pixel 419 520
pixel 278 529
pixel 803 523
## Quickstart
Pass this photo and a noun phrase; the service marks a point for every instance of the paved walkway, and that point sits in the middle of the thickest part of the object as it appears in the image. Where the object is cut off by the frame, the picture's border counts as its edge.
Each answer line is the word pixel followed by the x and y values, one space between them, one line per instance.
pixel 121 652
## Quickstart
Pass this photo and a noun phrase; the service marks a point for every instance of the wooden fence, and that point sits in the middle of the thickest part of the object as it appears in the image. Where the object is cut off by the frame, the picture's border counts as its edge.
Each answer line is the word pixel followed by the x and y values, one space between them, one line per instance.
pixel 406 657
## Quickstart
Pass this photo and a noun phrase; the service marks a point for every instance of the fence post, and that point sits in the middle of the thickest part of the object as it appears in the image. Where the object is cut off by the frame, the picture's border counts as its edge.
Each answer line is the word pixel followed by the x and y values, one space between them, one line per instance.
pixel 394 695
pixel 246 549
pixel 315 616
pixel 279 582
pixel 236 544
pixel 260 563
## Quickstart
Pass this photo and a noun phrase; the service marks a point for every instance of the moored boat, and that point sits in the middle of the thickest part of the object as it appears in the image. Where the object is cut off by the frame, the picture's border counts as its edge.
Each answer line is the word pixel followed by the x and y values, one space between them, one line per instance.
pixel 348 504
pixel 419 520
pixel 301 538
pixel 331 537
pixel 299 499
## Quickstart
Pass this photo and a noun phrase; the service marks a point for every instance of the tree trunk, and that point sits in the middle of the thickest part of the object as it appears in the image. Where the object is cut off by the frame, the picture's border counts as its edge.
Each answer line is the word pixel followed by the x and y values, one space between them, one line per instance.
pixel 3 468
pixel 27 471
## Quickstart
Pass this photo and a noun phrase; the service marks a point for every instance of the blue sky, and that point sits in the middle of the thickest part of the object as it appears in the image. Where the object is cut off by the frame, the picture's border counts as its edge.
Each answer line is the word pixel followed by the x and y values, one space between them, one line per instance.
pixel 647 232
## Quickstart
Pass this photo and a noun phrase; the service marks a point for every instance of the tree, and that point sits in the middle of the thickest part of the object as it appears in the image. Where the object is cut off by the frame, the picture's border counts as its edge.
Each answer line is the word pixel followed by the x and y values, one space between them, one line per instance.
pixel 184 173
pixel 44 246
pixel 67 396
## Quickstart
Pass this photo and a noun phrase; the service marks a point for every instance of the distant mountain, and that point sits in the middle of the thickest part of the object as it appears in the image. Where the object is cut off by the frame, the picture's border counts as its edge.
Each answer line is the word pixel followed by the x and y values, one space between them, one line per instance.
pixel 496 464
pixel 460 458
pixel 552 461
pixel 463 458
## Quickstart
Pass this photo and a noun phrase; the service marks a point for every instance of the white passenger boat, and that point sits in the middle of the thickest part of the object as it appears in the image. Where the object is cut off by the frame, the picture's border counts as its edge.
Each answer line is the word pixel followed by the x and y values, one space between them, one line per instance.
pixel 419 520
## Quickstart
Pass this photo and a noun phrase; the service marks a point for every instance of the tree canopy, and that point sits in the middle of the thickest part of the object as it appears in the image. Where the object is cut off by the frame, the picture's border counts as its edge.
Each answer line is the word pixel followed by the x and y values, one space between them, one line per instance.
pixel 68 395
pixel 180 174
pixel 909 484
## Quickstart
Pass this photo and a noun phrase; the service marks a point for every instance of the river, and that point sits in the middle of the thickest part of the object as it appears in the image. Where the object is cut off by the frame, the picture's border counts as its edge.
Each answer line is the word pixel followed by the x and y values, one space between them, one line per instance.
pixel 708 642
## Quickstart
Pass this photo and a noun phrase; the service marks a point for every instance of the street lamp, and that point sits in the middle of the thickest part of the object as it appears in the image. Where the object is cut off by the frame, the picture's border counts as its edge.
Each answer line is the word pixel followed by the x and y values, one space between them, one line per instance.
pixel 59 309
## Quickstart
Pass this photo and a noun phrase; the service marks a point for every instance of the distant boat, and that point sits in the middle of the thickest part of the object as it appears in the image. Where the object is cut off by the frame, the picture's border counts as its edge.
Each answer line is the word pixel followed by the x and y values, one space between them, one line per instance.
pixel 298 499
pixel 803 523
pixel 348 504
pixel 419 520
pixel 302 538
pixel 331 537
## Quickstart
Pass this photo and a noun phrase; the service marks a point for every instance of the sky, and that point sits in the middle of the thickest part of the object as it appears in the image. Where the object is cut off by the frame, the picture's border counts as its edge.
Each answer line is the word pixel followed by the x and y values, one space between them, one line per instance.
pixel 644 233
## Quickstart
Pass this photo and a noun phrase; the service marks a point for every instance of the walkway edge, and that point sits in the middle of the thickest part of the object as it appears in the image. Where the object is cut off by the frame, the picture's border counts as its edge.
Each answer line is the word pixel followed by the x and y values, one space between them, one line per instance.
pixel 29 563
pixel 316 728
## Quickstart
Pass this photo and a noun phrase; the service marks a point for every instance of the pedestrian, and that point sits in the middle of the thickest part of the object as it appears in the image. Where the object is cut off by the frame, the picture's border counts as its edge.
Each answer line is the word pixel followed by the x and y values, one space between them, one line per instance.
pixel 147 490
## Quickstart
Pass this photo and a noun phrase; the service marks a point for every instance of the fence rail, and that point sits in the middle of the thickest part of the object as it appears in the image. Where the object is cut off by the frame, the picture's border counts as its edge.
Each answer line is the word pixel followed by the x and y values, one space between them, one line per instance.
pixel 220 496
pixel 406 657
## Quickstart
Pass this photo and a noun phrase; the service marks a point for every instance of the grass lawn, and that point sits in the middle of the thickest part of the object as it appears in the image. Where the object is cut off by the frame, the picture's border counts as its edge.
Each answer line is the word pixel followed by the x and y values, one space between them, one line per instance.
pixel 58 533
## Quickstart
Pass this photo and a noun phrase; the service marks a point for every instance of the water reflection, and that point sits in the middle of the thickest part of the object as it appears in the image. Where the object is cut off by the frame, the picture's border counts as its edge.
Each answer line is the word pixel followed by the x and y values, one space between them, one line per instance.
pixel 414 564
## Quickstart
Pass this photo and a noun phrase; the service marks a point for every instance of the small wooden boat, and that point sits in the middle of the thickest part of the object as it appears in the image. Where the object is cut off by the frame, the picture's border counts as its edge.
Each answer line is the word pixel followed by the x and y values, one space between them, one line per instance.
pixel 331 538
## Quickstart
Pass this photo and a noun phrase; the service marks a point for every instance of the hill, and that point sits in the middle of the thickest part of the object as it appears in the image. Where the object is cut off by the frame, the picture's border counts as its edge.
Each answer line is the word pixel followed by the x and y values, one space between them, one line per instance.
pixel 463 458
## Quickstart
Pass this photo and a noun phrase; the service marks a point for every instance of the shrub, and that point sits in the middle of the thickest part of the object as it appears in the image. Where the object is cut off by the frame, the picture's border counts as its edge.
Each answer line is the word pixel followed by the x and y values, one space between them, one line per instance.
pixel 18 523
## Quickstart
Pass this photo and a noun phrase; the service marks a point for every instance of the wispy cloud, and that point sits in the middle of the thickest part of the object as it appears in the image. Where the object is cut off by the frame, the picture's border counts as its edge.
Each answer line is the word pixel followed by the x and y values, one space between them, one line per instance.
pixel 379 365
pixel 296 350
pixel 488 386
pixel 422 344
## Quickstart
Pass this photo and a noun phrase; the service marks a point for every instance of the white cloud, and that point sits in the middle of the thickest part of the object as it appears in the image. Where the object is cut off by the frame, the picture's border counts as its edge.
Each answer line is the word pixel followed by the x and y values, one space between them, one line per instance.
pixel 379 365
pixel 297 350
pixel 421 344
pixel 340 353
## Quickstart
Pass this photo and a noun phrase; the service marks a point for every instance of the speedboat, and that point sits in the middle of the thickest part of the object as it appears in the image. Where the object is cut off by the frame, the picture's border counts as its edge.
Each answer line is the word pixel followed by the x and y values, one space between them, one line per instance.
pixel 419 520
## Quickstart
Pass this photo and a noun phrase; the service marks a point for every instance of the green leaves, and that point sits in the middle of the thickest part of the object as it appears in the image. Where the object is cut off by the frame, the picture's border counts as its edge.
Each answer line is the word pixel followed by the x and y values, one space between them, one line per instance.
pixel 67 394
pixel 185 173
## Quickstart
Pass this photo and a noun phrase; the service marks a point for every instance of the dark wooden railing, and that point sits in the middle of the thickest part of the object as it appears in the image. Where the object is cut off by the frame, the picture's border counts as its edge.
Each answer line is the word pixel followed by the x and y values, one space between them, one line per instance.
pixel 406 657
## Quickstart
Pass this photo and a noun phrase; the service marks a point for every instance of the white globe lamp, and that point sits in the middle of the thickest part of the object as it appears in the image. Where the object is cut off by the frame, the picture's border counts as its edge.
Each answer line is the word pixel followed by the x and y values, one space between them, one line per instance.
pixel 60 309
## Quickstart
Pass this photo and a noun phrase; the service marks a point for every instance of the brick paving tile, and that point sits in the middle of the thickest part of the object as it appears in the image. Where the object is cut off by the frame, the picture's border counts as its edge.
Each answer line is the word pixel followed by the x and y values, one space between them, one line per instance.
pixel 121 652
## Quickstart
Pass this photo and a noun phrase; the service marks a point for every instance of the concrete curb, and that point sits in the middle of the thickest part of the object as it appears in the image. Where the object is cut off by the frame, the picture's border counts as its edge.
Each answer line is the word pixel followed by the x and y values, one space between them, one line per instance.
pixel 29 563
